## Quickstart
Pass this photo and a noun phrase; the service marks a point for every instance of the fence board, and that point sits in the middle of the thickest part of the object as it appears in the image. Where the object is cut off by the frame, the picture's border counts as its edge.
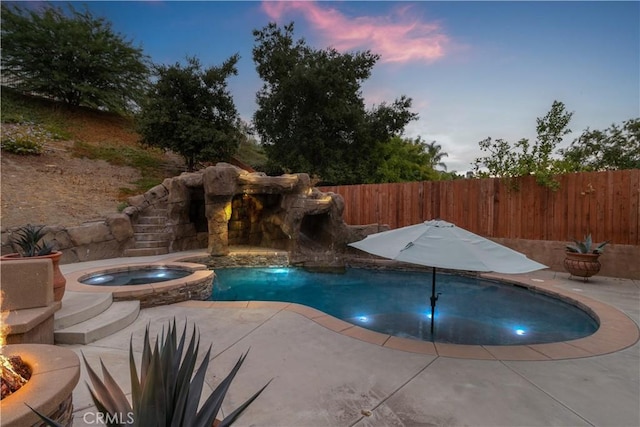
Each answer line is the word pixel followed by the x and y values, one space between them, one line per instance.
pixel 624 202
pixel 606 204
pixel 634 203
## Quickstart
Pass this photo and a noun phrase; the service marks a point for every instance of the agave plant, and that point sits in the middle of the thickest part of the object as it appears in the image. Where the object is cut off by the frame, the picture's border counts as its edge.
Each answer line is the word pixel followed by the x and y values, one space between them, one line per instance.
pixel 29 238
pixel 166 393
pixel 586 246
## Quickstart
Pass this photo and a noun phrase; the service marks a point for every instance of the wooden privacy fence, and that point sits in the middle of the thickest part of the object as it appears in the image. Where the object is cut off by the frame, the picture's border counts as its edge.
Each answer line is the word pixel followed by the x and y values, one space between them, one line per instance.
pixel 605 204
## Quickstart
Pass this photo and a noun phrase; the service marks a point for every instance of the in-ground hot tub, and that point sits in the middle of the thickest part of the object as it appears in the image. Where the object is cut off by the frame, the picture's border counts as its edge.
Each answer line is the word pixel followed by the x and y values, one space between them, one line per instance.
pixel 139 276
pixel 152 284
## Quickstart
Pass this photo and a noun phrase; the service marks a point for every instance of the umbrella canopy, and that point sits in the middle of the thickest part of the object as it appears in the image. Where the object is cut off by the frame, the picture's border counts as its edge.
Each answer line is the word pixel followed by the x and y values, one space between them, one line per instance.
pixel 441 244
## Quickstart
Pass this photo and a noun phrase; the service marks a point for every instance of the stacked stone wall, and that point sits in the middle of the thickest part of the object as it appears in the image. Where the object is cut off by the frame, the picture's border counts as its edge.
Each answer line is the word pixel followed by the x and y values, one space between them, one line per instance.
pixel 107 238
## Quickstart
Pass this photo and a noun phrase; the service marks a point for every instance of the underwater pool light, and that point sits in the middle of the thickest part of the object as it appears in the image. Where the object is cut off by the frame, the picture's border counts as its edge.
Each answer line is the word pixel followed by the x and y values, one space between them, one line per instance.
pixel 99 279
pixel 520 331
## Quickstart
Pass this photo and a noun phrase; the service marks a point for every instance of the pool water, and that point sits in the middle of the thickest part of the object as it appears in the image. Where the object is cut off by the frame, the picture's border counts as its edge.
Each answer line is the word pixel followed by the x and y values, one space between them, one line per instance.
pixel 469 310
pixel 136 277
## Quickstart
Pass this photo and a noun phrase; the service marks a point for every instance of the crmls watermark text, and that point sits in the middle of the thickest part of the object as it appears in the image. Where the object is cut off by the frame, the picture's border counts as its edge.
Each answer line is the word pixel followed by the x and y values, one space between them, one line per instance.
pixel 100 418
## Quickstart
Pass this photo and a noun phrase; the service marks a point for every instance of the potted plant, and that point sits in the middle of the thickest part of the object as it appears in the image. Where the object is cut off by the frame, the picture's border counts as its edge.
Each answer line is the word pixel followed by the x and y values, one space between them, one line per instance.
pixel 29 240
pixel 582 257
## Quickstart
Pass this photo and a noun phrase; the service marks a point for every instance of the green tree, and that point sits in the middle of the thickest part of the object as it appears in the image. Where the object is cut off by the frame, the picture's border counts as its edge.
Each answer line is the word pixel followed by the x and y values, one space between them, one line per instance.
pixel 436 155
pixel 405 160
pixel 74 57
pixel 521 159
pixel 311 115
pixel 190 111
pixel 617 147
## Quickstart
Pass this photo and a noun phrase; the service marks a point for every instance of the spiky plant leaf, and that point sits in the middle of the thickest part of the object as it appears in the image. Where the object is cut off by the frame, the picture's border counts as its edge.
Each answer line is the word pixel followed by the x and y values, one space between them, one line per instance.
pixel 173 364
pixel 167 393
pixel 99 406
pixel 167 357
pixel 585 246
pixel 195 391
pixel 146 357
pixel 587 243
pixel 136 390
pixel 103 395
pixel 231 418
pixel 152 403
pixel 116 392
pixel 48 421
pixel 29 238
pixel 45 249
pixel 581 248
pixel 213 404
pixel 174 373
pixel 600 248
pixel 185 373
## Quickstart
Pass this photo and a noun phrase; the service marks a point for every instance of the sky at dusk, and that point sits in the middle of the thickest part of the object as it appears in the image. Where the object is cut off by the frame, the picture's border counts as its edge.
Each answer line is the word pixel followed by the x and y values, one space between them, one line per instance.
pixel 473 69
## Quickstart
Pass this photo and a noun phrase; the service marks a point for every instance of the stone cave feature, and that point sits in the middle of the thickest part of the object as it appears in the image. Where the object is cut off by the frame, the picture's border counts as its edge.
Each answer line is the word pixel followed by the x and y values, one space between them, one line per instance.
pixel 224 205
pixel 248 214
pixel 315 231
pixel 197 215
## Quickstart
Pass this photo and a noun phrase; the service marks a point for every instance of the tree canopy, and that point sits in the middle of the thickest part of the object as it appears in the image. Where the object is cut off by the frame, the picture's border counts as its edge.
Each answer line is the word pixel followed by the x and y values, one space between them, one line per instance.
pixel 74 57
pixel 311 115
pixel 190 111
pixel 617 147
pixel 507 161
pixel 405 160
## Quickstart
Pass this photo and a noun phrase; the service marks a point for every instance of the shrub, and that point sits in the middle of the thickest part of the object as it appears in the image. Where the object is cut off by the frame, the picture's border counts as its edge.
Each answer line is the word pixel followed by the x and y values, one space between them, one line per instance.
pixel 24 139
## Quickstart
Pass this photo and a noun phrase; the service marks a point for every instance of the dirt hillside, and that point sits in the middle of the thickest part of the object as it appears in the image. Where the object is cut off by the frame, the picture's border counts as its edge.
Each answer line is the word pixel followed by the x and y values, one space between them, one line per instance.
pixel 58 188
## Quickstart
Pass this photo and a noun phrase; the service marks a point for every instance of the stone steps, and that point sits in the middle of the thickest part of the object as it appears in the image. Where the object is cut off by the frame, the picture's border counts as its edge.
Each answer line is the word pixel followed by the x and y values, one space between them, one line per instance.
pixel 146 251
pixel 156 237
pixel 153 220
pixel 78 307
pixel 144 244
pixel 149 228
pixel 88 317
pixel 149 234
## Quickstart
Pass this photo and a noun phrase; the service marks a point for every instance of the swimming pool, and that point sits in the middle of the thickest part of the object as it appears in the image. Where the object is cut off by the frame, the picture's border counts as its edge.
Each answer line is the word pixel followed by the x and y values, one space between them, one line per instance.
pixel 469 311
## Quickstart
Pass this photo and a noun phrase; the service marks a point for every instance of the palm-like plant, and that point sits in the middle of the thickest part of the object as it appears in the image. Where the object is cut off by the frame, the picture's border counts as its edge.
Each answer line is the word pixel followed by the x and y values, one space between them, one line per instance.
pixel 435 153
pixel 586 246
pixel 28 241
pixel 166 393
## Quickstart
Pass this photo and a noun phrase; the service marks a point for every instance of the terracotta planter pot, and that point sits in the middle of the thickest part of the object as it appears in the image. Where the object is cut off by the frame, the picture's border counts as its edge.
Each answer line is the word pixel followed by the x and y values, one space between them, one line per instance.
pixel 582 265
pixel 59 281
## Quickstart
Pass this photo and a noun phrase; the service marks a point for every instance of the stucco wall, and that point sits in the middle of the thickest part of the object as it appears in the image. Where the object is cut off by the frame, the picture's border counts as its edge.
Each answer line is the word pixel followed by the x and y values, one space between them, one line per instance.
pixel 617 260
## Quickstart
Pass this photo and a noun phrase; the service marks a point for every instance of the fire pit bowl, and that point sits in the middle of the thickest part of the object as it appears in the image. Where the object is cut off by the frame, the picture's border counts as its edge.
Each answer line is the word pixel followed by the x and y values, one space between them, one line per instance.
pixel 55 371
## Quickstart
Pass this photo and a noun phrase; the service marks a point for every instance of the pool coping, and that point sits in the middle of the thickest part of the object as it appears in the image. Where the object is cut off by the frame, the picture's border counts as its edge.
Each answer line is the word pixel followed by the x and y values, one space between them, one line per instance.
pixel 616 330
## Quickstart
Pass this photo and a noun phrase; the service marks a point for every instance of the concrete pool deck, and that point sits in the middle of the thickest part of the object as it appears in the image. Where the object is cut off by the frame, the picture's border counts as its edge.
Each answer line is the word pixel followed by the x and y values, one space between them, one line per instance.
pixel 324 377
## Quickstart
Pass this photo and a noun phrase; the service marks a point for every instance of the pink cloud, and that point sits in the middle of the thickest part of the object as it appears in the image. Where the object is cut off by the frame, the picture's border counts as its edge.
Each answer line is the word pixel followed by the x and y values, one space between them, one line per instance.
pixel 398 37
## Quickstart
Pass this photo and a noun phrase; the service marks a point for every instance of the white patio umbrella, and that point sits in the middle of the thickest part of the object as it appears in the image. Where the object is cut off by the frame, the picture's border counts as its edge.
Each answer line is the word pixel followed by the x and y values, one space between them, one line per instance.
pixel 440 244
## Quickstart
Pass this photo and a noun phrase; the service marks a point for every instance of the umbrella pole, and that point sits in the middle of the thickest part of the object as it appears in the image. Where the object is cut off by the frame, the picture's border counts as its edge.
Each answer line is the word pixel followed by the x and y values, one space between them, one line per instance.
pixel 434 298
